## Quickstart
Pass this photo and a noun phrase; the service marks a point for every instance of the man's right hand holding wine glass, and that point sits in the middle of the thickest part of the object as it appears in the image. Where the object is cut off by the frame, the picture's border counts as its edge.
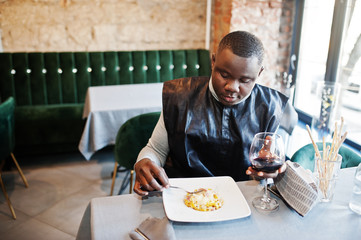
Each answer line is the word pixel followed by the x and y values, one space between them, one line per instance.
pixel 260 174
pixel 266 153
pixel 267 158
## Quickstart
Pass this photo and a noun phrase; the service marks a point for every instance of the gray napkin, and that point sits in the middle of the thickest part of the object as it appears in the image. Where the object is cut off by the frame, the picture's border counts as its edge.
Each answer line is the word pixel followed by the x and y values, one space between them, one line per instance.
pixel 154 229
pixel 297 188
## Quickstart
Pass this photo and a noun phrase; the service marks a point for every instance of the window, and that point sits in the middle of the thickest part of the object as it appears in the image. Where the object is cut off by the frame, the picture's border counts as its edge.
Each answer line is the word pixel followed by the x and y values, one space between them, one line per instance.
pixel 329 49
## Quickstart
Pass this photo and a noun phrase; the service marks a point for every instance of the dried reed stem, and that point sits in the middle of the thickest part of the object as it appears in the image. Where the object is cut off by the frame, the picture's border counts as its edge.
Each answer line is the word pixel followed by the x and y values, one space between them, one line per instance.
pixel 313 142
pixel 325 164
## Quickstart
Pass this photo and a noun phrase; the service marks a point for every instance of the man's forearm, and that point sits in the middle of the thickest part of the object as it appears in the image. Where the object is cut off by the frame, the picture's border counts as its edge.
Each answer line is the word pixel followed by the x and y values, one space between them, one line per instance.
pixel 157 148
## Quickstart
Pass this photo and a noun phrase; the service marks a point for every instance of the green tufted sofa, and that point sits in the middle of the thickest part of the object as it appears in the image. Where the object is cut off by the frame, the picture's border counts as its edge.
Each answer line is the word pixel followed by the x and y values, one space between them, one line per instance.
pixel 49 88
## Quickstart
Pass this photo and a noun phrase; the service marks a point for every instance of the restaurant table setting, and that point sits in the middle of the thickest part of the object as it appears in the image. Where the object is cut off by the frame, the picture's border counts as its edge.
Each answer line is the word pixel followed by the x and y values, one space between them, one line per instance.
pixel 118 217
pixel 106 108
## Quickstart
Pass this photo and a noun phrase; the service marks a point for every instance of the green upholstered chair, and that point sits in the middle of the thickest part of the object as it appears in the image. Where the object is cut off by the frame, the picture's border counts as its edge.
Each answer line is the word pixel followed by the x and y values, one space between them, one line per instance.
pixel 305 156
pixel 7 141
pixel 132 136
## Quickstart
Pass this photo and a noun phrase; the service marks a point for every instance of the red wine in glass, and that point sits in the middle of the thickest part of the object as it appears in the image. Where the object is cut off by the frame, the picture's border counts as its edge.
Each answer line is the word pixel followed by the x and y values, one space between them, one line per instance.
pixel 267 164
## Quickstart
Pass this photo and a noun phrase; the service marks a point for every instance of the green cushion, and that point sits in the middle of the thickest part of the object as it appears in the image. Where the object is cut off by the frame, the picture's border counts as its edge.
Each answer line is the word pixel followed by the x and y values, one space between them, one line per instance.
pixel 305 156
pixel 47 125
pixel 132 136
pixel 63 77
pixel 7 140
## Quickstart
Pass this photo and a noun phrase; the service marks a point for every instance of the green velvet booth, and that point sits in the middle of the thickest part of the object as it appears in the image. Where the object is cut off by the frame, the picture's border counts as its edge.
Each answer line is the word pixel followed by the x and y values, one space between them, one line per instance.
pixel 50 88
pixel 305 156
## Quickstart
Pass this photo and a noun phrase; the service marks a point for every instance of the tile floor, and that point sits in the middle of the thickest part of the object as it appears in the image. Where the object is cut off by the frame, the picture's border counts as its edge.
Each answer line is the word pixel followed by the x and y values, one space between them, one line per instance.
pixel 60 188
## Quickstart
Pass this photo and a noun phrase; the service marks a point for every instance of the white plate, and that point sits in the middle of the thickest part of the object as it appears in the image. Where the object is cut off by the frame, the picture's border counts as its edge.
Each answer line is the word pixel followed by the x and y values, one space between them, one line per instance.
pixel 235 205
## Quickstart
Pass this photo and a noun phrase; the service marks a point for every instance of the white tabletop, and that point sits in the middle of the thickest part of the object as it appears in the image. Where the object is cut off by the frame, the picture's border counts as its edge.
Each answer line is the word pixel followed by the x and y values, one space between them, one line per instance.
pixel 114 217
pixel 108 107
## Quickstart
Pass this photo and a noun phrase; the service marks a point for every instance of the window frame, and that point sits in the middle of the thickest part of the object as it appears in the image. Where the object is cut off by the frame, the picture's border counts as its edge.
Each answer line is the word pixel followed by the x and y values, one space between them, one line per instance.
pixel 333 57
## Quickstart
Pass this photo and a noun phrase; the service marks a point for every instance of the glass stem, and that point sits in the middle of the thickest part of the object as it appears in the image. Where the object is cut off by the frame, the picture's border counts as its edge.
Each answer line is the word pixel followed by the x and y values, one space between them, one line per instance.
pixel 265 197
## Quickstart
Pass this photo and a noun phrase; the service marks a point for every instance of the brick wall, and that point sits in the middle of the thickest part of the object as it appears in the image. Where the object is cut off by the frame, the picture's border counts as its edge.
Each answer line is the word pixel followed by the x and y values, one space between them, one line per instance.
pixel 221 21
pixel 270 20
pixel 100 25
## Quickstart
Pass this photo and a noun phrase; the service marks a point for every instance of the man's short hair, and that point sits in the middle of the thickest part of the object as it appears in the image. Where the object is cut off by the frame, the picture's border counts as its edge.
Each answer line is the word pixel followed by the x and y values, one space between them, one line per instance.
pixel 243 44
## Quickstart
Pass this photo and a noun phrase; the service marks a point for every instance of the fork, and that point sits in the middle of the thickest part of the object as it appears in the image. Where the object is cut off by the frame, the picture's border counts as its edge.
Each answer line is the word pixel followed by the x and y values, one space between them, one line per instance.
pixel 198 191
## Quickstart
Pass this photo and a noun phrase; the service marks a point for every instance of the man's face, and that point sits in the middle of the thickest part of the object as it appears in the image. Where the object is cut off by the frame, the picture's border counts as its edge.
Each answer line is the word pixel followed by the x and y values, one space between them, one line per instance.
pixel 233 77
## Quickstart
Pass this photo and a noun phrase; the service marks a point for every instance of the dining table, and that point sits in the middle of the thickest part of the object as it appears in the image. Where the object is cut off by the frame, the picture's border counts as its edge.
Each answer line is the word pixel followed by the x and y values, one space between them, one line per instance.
pixel 106 108
pixel 114 217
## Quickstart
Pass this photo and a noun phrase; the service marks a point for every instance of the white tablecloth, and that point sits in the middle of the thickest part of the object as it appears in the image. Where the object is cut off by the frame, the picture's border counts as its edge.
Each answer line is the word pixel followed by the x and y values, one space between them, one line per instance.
pixel 108 107
pixel 114 217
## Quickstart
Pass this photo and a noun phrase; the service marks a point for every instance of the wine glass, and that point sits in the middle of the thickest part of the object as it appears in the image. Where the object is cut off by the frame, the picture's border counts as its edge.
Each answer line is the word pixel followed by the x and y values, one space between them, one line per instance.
pixel 266 154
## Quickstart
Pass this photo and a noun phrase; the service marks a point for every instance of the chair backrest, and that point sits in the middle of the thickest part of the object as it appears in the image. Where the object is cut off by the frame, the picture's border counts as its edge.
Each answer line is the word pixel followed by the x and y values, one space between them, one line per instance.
pixel 288 122
pixel 132 136
pixel 7 139
pixel 305 156
pixel 289 119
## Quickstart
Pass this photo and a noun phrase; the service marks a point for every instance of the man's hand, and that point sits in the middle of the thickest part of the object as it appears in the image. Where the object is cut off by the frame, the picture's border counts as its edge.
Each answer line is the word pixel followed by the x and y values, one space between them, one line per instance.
pixel 149 177
pixel 259 174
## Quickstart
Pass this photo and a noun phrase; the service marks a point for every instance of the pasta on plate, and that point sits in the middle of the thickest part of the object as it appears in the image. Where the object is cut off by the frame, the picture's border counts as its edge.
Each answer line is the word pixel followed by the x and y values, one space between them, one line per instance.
pixel 207 200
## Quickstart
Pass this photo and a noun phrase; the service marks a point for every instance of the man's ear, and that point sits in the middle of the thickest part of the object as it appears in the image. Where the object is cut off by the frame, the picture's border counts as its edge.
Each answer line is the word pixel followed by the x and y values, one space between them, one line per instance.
pixel 213 59
pixel 260 71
